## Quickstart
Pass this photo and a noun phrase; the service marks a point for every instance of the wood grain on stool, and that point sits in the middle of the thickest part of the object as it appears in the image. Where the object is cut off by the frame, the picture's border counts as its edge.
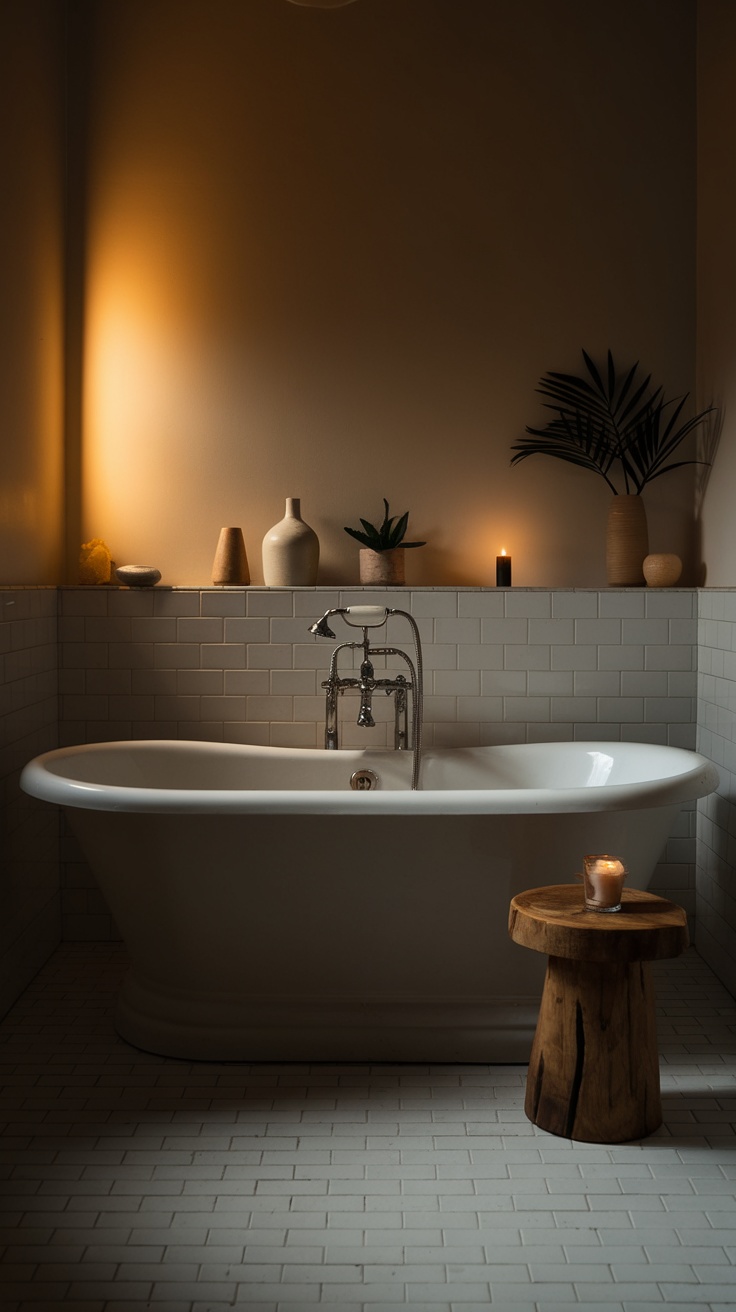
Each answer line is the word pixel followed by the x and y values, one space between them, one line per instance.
pixel 594 1068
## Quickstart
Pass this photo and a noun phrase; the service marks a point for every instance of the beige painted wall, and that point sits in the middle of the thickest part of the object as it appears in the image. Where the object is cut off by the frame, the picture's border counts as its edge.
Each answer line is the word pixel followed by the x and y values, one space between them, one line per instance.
pixel 31 277
pixel 717 275
pixel 329 254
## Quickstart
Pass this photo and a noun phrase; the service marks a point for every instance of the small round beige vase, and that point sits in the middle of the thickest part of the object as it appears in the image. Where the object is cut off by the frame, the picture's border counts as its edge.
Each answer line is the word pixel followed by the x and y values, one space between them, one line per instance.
pixel 662 569
pixel 627 541
pixel 290 551
pixel 382 566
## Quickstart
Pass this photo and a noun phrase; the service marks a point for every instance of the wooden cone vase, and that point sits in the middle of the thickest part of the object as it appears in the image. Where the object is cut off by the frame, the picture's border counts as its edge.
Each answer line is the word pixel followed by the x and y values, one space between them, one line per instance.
pixel 230 566
pixel 627 542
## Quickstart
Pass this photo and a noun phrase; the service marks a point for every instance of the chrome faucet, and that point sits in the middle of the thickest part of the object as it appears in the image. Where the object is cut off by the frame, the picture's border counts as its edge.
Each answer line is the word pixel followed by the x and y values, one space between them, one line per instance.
pixel 366 685
pixel 368 617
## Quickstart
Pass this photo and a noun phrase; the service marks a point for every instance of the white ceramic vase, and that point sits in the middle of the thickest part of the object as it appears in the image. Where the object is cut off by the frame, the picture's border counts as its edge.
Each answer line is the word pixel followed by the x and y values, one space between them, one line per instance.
pixel 290 551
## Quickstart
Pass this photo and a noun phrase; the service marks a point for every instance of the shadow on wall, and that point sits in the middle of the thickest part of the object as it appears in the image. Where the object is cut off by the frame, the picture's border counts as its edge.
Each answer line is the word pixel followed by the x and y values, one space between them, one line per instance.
pixel 716 903
pixel 708 441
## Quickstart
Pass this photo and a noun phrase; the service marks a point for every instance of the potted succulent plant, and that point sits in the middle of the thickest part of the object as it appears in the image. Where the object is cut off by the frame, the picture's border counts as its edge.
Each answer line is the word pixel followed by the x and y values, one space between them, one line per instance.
pixel 383 546
pixel 624 430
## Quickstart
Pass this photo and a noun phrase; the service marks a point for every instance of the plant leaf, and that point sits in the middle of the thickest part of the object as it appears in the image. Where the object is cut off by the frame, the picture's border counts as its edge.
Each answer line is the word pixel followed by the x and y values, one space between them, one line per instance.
pixel 656 437
pixel 602 419
pixel 362 537
pixel 594 372
pixel 677 464
pixel 386 525
pixel 389 534
pixel 399 530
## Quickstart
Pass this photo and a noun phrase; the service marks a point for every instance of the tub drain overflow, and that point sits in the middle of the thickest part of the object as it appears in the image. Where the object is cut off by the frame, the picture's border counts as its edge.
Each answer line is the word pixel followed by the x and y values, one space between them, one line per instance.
pixel 363 780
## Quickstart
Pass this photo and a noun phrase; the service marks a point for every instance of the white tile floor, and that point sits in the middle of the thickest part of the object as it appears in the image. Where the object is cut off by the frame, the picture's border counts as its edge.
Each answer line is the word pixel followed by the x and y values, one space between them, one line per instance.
pixel 131 1181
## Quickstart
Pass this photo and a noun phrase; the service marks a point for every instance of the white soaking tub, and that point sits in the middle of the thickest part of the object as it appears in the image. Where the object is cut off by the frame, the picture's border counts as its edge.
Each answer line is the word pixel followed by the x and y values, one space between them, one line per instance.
pixel 273 913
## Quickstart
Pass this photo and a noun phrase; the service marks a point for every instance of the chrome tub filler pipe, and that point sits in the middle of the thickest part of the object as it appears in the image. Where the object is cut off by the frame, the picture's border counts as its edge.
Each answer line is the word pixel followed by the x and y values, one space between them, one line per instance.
pixel 366 684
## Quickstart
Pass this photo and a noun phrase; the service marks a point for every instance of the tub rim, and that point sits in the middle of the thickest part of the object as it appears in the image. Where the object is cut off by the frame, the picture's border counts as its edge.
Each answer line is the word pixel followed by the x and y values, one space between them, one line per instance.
pixel 700 779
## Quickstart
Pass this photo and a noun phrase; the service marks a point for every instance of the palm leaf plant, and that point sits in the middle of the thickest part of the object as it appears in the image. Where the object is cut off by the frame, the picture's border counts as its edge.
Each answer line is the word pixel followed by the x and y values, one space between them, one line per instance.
pixel 610 423
pixel 385 536
pixel 655 438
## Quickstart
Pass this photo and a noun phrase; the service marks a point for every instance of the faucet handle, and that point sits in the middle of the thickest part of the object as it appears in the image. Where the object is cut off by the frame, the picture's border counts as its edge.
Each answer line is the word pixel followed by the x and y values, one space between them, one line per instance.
pixel 366 617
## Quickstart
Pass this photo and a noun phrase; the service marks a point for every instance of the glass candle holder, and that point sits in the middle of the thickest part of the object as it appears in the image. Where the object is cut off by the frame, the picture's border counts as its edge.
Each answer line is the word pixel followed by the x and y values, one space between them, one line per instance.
pixel 603 880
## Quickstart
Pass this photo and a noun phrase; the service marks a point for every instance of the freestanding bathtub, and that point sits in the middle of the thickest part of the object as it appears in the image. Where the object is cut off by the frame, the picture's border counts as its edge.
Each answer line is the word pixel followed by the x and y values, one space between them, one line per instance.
pixel 273 913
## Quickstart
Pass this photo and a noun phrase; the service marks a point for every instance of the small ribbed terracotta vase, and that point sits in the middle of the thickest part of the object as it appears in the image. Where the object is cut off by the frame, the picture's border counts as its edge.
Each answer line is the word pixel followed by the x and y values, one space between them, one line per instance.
pixel 290 551
pixel 230 566
pixel 627 541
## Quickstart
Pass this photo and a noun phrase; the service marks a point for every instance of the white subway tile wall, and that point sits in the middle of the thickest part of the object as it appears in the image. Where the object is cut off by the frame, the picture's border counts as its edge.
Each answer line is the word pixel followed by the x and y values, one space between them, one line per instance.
pixel 239 665
pixel 716 847
pixel 30 925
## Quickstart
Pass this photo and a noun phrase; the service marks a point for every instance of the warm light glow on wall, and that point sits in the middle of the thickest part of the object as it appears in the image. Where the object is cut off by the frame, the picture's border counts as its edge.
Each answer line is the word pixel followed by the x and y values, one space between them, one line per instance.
pixel 289 262
pixel 122 380
pixel 31 483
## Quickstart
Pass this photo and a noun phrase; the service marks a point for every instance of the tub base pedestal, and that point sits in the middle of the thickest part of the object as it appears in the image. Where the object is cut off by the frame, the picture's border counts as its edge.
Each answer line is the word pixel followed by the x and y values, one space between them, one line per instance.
pixel 175 1023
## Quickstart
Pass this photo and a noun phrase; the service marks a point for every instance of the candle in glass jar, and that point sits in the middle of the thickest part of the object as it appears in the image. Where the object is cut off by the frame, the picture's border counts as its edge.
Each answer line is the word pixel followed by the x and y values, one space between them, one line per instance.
pixel 503 571
pixel 604 877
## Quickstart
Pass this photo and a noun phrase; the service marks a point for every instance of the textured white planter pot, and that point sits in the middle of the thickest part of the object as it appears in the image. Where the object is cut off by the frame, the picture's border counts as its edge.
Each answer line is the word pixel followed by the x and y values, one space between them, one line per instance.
pixel 382 566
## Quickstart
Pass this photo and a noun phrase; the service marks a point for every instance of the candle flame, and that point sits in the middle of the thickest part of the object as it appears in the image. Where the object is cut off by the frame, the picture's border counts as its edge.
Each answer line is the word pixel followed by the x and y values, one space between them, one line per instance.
pixel 604 865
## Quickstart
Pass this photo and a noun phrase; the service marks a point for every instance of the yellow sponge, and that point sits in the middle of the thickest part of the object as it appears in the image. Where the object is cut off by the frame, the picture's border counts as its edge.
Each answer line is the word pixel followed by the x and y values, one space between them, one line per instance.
pixel 94 562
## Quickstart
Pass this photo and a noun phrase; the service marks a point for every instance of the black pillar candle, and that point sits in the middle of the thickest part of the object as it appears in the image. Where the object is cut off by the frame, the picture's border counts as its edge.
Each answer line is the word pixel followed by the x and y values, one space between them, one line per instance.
pixel 503 571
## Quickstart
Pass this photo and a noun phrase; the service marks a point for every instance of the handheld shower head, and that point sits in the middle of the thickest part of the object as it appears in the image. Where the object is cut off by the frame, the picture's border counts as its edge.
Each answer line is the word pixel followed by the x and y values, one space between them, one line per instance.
pixel 321 628
pixel 360 617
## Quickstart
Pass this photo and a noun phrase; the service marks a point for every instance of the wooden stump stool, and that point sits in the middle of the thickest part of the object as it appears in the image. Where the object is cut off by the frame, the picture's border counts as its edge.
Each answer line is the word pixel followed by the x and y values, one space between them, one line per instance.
pixel 594 1068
